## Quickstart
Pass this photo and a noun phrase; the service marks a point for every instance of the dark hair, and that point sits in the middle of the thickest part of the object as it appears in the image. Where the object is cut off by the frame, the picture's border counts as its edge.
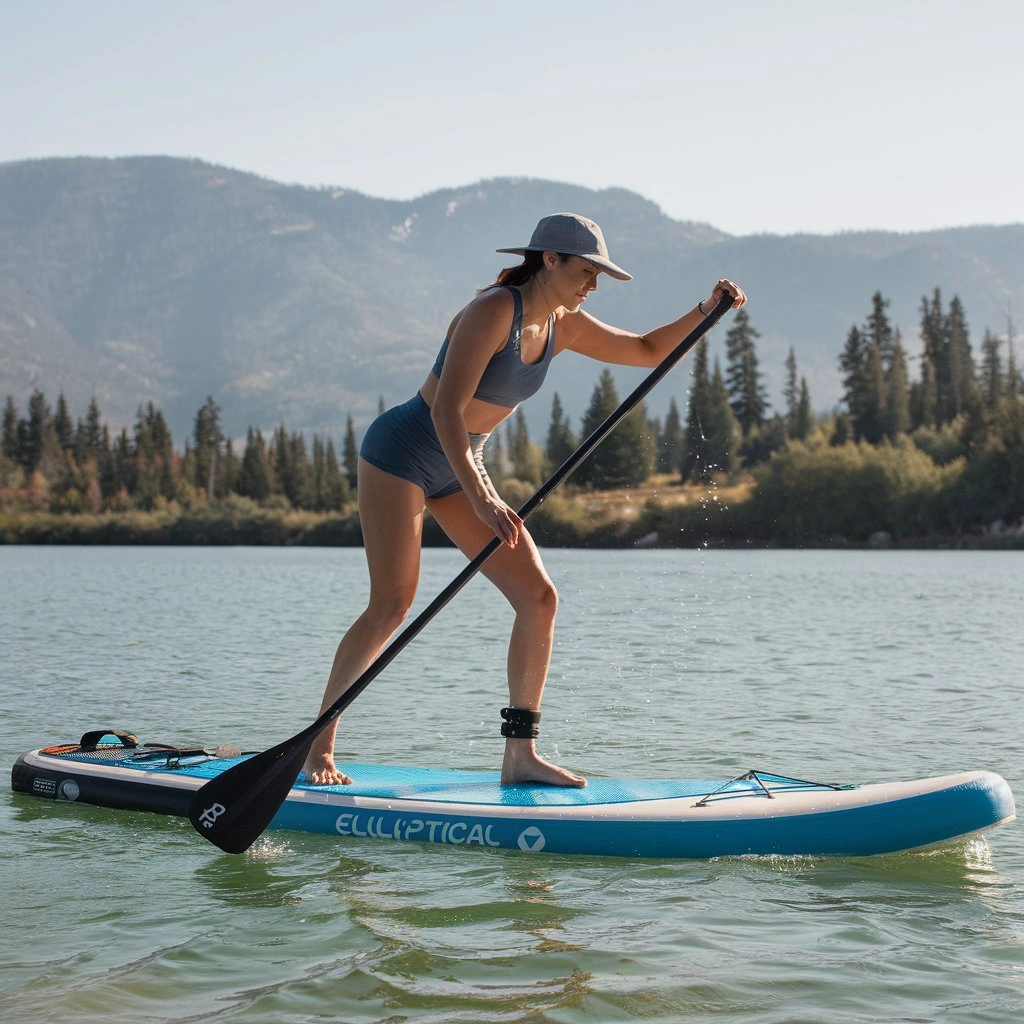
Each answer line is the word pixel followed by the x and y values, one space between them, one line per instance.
pixel 523 272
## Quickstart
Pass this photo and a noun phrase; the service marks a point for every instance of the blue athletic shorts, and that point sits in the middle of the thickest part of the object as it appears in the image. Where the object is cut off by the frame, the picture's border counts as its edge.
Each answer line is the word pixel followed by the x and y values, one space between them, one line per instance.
pixel 403 442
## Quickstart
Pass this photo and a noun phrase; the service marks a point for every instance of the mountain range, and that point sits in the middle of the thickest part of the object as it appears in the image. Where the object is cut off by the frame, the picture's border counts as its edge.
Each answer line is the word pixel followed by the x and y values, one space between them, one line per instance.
pixel 164 280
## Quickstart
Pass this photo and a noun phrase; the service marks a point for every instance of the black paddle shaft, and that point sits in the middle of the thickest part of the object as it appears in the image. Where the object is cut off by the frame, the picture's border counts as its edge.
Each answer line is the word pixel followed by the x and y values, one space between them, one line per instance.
pixel 233 809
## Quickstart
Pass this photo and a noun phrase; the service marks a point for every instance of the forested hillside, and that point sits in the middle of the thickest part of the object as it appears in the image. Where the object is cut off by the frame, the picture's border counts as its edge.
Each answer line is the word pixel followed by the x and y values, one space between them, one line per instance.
pixel 931 457
pixel 164 281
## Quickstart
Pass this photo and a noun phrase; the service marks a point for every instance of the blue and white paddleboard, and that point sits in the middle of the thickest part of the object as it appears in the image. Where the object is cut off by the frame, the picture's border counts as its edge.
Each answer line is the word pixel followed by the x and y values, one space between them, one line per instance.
pixel 758 813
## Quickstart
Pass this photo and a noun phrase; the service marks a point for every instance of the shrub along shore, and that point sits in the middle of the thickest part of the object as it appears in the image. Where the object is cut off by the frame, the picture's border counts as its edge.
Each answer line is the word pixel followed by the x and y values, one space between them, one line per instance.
pixel 653 516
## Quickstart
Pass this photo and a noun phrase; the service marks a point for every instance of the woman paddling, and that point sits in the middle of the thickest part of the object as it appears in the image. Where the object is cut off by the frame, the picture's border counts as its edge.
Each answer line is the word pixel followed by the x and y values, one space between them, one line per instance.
pixel 428 454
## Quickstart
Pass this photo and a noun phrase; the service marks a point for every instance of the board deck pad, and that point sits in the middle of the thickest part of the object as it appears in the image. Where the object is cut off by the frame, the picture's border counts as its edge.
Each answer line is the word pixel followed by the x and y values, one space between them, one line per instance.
pixel 453 785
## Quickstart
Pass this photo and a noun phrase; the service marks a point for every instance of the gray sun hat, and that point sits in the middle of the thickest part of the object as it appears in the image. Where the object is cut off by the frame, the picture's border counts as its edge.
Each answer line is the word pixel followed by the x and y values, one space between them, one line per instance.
pixel 572 235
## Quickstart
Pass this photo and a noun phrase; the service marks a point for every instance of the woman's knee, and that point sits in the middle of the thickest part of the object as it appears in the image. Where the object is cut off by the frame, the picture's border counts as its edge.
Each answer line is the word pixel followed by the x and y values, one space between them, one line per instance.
pixel 541 600
pixel 550 598
pixel 391 609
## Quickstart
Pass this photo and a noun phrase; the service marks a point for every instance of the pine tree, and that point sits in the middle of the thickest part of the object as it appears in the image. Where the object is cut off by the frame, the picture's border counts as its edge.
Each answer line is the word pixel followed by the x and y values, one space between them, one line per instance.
pixel 350 455
pixel 712 432
pixel 561 441
pixel 32 432
pixel 791 390
pixel 626 456
pixel 725 432
pixel 335 491
pixel 254 475
pixel 298 485
pixel 604 399
pixel 853 365
pixel 963 387
pixel 153 472
pixel 934 363
pixel 991 379
pixel 319 471
pixel 1014 378
pixel 230 468
pixel 9 446
pixel 869 424
pixel 747 395
pixel 11 474
pixel 524 456
pixel 208 439
pixel 107 465
pixel 698 413
pixel 799 416
pixel 330 488
pixel 142 481
pixel 671 441
pixel 63 425
pixel 40 447
pixel 923 397
pixel 496 461
pixel 292 470
pixel 89 434
pixel 123 471
pixel 879 330
pixel 842 430
pixel 897 392
pixel 804 414
pixel 167 465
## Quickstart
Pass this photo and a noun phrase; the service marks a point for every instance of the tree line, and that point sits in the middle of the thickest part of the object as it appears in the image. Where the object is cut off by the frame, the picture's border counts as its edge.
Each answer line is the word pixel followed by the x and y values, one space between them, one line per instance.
pixel 49 462
pixel 728 425
pixel 963 416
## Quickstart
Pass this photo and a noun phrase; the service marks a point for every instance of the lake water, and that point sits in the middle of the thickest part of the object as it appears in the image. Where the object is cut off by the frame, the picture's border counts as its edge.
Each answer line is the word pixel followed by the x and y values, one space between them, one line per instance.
pixel 840 666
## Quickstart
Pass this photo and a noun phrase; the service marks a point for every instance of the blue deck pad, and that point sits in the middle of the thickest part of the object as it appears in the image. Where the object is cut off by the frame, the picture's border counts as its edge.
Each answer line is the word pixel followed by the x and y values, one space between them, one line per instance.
pixel 463 787
pixel 454 786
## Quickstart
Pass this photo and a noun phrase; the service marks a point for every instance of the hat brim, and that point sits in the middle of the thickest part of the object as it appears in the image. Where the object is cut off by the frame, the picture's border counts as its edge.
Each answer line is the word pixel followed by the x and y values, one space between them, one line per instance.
pixel 612 269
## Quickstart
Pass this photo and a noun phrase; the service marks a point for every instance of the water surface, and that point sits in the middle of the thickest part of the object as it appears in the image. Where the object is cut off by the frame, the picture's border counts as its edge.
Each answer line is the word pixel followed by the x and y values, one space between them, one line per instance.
pixel 840 666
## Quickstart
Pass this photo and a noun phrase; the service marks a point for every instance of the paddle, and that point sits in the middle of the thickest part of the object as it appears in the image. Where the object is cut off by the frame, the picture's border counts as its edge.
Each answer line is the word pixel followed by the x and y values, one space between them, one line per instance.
pixel 232 809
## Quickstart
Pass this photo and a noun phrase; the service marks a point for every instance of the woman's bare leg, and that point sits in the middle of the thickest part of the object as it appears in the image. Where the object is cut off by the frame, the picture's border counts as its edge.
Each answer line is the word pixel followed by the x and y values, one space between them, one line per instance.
pixel 520 575
pixel 391 517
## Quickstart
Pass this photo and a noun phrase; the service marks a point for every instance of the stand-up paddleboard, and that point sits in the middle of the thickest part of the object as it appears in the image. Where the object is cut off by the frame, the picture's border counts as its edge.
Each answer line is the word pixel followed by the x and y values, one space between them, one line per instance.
pixel 757 813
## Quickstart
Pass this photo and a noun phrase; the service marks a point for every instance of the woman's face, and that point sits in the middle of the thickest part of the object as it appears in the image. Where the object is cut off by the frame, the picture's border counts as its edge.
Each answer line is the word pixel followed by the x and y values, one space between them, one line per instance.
pixel 571 279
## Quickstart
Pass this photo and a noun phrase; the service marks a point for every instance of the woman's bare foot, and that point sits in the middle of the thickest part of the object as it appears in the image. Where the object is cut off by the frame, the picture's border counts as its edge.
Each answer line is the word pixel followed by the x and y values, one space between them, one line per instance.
pixel 320 770
pixel 522 763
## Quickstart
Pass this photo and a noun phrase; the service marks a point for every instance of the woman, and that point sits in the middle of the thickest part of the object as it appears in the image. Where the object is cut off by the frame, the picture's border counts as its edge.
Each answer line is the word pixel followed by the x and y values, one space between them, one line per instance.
pixel 428 453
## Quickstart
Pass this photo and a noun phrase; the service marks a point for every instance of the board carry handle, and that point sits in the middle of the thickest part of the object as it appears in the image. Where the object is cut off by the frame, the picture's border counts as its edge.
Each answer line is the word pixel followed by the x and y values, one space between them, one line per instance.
pixel 233 808
pixel 91 740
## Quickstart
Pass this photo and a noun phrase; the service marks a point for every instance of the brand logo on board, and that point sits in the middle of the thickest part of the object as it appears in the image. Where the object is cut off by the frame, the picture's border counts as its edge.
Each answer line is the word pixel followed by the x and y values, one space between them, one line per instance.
pixel 531 839
pixel 385 826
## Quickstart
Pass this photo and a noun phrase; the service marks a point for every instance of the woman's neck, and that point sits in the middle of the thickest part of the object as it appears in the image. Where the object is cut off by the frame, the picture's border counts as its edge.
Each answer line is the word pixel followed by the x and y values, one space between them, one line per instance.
pixel 538 301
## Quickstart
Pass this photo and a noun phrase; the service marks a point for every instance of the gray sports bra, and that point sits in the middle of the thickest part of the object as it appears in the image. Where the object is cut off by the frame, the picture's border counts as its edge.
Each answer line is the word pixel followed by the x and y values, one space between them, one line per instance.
pixel 507 380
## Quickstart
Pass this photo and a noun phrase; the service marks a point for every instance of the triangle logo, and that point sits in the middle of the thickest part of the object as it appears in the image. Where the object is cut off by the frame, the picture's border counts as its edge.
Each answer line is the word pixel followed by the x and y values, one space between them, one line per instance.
pixel 531 839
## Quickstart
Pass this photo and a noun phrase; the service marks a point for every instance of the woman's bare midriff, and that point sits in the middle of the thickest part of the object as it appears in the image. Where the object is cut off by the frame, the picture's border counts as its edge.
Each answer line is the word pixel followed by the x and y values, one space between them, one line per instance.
pixel 481 417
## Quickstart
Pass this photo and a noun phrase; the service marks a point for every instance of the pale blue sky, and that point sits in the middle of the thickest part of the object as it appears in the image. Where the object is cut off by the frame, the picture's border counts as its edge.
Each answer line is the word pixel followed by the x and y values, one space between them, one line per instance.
pixel 785 116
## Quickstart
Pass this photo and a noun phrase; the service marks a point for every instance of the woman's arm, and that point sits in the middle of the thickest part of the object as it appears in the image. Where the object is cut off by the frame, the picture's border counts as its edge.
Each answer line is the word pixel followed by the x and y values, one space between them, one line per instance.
pixel 481 331
pixel 587 335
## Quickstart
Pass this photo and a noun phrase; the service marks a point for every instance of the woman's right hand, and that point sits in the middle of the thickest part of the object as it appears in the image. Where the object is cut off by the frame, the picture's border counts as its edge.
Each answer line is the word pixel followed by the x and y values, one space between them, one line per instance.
pixel 501 518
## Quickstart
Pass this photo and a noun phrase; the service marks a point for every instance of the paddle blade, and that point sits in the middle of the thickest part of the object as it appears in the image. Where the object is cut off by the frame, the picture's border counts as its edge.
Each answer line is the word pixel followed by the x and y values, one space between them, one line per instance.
pixel 233 809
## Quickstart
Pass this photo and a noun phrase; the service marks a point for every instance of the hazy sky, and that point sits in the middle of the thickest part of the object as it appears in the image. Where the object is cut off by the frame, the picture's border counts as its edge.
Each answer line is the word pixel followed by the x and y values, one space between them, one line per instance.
pixel 779 115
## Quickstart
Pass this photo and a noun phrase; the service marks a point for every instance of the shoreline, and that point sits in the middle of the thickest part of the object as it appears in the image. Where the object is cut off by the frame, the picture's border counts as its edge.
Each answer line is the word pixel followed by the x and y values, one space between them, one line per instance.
pixel 216 527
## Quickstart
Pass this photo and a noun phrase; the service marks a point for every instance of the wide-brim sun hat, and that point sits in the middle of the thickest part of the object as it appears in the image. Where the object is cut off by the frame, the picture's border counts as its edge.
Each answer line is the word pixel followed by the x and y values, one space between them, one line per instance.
pixel 572 235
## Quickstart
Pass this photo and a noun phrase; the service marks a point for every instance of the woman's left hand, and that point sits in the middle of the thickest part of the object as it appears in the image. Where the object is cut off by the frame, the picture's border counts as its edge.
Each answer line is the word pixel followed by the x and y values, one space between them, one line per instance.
pixel 723 288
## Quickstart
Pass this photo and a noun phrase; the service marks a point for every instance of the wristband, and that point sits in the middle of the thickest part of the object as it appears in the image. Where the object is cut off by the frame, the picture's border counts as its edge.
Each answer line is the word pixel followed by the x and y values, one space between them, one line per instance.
pixel 700 306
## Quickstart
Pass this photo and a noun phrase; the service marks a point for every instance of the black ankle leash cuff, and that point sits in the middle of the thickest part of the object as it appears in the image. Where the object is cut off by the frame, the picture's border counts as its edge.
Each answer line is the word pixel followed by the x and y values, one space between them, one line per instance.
pixel 520 723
